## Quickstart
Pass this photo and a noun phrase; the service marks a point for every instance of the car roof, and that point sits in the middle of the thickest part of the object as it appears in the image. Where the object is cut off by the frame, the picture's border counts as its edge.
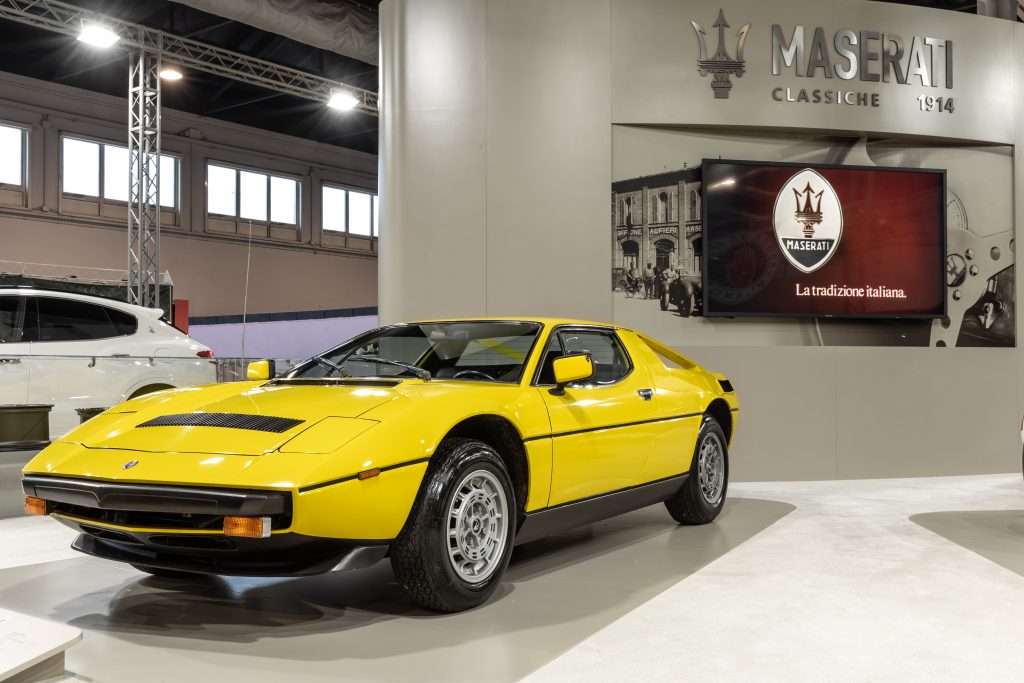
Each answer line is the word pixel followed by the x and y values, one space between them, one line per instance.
pixel 99 300
pixel 545 321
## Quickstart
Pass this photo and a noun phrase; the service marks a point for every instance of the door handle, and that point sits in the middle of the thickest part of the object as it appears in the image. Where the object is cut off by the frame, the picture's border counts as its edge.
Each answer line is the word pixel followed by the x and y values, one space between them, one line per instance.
pixel 120 355
pixel 646 394
pixel 10 361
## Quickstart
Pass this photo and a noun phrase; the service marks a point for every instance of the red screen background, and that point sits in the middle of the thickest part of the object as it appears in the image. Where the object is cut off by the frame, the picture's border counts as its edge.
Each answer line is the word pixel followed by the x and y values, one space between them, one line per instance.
pixel 893 236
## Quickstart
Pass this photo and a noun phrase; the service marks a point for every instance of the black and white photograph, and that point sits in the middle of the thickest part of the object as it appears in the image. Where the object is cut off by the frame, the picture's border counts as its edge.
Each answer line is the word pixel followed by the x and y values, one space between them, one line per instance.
pixel 658 246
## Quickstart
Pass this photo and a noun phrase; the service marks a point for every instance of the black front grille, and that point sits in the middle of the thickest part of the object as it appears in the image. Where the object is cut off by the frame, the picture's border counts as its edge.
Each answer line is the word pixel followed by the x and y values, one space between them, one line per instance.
pixel 131 518
pixel 154 520
pixel 258 423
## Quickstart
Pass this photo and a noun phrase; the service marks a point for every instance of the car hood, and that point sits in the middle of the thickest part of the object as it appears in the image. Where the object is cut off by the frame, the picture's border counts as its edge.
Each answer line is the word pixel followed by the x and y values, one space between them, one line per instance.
pixel 228 419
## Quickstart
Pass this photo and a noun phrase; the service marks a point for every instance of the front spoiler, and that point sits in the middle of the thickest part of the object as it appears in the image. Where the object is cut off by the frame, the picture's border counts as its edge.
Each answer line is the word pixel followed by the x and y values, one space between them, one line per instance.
pixel 283 554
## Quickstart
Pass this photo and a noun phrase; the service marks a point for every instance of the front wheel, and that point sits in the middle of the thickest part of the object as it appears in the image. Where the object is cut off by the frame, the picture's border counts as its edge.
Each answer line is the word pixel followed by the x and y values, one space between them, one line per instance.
pixel 702 496
pixel 458 539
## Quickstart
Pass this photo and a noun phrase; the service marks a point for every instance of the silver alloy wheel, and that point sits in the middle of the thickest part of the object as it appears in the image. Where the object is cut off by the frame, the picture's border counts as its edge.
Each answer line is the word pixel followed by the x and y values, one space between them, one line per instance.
pixel 477 526
pixel 711 469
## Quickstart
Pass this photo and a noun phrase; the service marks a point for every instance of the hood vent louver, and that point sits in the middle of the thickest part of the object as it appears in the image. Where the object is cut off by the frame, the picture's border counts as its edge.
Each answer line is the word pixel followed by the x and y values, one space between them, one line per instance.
pixel 257 423
pixel 726 385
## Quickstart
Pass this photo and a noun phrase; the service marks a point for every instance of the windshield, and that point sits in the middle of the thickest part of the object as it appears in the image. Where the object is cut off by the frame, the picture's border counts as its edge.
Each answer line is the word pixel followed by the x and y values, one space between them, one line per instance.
pixel 478 351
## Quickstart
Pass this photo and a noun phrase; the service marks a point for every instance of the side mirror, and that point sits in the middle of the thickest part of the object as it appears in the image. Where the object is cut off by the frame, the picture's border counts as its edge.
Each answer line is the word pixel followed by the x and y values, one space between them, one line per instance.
pixel 260 370
pixel 571 368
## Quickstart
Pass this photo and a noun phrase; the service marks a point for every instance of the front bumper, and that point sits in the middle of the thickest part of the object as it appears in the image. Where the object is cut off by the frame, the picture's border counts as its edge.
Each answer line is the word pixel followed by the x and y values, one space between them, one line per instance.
pixel 280 555
pixel 181 528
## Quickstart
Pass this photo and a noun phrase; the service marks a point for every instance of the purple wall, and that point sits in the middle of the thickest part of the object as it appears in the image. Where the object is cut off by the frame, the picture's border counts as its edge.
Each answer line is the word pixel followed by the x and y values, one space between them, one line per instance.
pixel 280 339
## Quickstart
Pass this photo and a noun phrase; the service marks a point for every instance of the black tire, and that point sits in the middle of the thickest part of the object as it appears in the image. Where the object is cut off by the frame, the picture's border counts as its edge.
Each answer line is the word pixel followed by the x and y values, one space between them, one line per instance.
pixel 691 504
pixel 685 303
pixel 420 556
pixel 664 300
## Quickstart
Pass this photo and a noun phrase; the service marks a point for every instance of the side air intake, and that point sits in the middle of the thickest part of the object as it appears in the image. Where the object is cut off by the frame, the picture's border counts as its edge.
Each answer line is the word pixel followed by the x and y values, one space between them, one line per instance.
pixel 256 423
pixel 726 385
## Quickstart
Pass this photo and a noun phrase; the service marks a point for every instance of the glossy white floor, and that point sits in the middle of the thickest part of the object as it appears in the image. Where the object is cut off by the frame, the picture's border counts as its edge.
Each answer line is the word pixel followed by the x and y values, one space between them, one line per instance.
pixel 841 581
pixel 849 587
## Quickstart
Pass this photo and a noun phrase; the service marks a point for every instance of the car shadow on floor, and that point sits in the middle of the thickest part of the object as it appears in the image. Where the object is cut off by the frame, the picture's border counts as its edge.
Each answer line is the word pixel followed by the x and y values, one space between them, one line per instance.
pixel 996 535
pixel 556 592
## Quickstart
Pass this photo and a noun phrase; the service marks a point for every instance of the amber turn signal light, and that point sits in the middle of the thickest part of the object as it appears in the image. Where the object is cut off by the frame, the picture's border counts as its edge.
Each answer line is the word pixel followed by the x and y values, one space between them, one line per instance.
pixel 35 506
pixel 249 527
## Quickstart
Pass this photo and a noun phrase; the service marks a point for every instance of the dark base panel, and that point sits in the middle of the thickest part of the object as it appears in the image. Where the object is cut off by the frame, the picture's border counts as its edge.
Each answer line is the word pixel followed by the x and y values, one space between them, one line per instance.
pixel 279 555
pixel 551 520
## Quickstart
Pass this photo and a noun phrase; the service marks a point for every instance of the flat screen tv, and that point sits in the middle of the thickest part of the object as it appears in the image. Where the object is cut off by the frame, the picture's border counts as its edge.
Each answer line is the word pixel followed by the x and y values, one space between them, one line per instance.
pixel 823 241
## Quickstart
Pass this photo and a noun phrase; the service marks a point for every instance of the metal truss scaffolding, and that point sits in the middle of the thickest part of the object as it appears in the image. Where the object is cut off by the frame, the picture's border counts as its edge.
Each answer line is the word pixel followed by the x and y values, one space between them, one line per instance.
pixel 148 47
pixel 67 19
pixel 144 175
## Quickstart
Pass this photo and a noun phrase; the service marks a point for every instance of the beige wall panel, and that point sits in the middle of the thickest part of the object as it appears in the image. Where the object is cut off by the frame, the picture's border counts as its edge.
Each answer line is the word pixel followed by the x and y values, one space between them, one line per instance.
pixel 547 194
pixel 210 273
pixel 491 164
pixel 787 424
pixel 1018 207
pixel 432 142
pixel 655 77
pixel 914 412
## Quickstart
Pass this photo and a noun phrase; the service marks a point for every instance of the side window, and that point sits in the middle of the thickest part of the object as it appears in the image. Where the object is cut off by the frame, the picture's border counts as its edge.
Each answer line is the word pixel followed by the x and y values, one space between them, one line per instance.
pixel 610 360
pixel 124 323
pixel 12 317
pixel 69 320
pixel 547 361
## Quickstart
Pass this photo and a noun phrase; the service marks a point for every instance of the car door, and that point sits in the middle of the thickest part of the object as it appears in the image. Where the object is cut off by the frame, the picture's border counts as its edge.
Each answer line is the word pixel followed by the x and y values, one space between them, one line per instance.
pixel 680 400
pixel 81 358
pixel 601 427
pixel 14 352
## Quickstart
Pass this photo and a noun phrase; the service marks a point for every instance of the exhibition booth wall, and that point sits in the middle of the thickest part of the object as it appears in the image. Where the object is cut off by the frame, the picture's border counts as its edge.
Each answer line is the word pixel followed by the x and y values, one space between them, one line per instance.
pixel 533 152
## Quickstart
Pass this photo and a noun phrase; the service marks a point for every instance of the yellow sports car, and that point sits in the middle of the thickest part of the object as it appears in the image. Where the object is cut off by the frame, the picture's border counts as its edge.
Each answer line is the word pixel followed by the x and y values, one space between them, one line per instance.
pixel 440 444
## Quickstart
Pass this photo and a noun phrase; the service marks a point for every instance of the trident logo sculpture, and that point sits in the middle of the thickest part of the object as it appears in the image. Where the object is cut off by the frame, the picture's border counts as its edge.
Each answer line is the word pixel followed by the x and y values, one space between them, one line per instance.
pixel 808 215
pixel 721 66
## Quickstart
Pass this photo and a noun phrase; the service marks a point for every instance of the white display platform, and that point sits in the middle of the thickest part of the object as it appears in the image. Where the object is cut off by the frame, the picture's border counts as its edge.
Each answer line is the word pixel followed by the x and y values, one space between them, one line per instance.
pixel 32 649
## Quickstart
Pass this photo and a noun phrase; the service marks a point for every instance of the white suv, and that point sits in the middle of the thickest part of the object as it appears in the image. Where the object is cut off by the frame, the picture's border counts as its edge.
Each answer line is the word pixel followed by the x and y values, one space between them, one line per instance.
pixel 76 351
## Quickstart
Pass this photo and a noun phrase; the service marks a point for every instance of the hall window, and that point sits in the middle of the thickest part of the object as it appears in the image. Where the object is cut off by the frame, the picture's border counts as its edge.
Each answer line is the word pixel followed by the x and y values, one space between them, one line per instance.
pixel 13 142
pixel 96 169
pixel 252 195
pixel 353 211
pixel 661 212
pixel 694 215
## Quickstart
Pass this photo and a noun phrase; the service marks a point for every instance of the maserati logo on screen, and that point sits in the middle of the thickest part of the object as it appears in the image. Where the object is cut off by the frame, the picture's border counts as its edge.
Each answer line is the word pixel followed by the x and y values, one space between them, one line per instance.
pixel 721 66
pixel 808 220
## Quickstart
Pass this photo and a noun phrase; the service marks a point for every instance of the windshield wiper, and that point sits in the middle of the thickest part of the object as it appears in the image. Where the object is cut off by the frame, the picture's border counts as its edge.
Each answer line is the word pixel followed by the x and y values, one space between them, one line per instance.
pixel 329 365
pixel 419 372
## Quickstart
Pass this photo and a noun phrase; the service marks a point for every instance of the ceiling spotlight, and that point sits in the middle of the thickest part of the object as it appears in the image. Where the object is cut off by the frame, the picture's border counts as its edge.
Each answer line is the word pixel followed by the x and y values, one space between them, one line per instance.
pixel 343 100
pixel 170 73
pixel 98 35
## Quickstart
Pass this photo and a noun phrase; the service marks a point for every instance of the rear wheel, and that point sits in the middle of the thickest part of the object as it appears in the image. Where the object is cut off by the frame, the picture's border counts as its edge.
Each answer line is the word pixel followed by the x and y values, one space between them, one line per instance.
pixel 703 494
pixel 685 303
pixel 457 541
